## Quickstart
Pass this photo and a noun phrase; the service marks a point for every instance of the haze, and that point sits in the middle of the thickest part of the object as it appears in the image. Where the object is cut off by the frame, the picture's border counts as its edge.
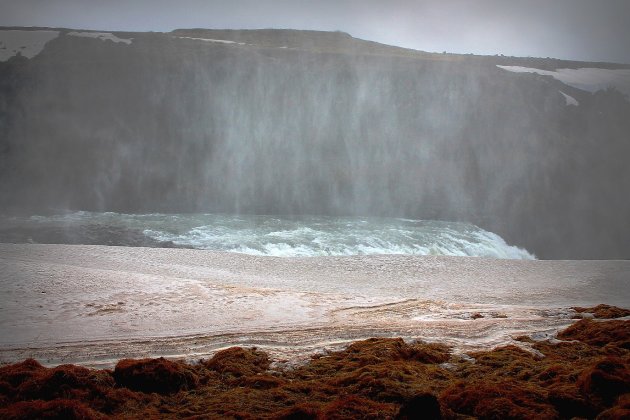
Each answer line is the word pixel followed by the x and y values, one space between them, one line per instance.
pixel 569 29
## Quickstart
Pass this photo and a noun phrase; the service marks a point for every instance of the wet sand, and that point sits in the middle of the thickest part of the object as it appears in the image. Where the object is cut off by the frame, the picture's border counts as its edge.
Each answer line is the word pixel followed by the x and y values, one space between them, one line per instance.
pixel 93 305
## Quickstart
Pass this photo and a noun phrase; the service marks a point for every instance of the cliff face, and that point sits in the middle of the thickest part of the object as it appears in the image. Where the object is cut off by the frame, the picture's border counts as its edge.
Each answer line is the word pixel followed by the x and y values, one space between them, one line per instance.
pixel 299 122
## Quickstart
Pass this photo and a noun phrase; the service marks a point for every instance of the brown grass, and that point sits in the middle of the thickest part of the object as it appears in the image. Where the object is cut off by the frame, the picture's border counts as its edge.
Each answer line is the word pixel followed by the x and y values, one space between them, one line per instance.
pixel 155 375
pixel 599 334
pixel 586 375
pixel 237 362
pixel 604 311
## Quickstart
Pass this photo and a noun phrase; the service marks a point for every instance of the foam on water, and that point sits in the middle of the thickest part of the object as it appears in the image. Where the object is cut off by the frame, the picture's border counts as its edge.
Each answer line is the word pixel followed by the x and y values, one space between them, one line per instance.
pixel 304 236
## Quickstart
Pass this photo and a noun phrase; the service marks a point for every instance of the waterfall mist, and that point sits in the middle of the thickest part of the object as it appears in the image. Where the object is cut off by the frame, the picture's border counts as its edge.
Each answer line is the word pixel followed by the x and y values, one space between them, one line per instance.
pixel 299 122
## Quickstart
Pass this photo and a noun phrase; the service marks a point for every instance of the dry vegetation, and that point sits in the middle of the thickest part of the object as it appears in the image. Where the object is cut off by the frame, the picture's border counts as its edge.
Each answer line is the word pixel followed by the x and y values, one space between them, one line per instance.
pixel 602 311
pixel 586 374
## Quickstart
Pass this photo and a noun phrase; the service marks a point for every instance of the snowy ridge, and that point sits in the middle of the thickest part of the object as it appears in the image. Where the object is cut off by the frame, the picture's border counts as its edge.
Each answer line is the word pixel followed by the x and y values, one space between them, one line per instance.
pixel 570 100
pixel 588 79
pixel 219 41
pixel 103 36
pixel 26 43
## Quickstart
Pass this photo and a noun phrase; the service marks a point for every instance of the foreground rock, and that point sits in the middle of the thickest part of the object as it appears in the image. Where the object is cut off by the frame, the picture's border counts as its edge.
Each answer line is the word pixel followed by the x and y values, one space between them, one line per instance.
pixel 585 374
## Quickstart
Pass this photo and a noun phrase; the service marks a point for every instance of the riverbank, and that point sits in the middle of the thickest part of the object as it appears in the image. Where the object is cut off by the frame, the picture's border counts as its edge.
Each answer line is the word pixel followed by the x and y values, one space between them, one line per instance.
pixel 94 305
pixel 583 372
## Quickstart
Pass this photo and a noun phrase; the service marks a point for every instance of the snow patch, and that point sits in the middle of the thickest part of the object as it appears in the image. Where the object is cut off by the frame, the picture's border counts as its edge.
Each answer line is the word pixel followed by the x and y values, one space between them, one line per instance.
pixel 569 99
pixel 226 41
pixel 26 43
pixel 588 79
pixel 103 36
pixel 220 41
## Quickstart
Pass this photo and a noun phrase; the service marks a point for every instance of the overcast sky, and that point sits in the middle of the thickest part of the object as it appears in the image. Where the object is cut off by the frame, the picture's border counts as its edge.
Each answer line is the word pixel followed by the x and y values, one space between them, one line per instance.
pixel 594 30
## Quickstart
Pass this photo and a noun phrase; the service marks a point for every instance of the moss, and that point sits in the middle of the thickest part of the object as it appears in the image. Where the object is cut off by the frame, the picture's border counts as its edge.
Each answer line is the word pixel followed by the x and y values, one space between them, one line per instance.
pixel 66 381
pixel 303 411
pixel 586 375
pixel 425 406
pixel 353 407
pixel 155 375
pixel 603 311
pixel 262 382
pixel 619 411
pixel 14 375
pixel 568 401
pixel 498 400
pixel 597 333
pixel 375 351
pixel 605 379
pixel 238 362
pixel 56 409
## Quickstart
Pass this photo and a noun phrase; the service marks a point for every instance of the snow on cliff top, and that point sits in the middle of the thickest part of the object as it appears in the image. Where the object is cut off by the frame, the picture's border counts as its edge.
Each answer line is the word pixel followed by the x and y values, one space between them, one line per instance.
pixel 220 41
pixel 103 36
pixel 26 43
pixel 588 79
pixel 570 100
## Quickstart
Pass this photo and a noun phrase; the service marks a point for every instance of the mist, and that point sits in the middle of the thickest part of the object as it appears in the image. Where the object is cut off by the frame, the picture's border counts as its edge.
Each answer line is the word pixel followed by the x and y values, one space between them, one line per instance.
pixel 316 123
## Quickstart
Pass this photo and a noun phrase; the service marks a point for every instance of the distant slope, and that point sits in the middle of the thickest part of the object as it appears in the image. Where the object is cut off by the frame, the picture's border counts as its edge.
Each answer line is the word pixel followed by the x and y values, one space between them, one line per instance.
pixel 304 122
pixel 314 41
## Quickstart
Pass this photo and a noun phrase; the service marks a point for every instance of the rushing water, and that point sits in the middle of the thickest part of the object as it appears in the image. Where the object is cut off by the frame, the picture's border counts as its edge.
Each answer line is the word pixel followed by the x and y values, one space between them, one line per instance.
pixel 267 235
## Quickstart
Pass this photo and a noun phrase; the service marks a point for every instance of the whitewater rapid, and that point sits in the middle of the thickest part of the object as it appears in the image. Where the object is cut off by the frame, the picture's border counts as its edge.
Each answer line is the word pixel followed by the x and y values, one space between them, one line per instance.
pixel 303 236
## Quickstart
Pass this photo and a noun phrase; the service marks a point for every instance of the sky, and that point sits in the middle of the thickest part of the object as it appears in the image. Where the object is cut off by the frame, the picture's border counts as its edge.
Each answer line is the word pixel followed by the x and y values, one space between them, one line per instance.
pixel 590 30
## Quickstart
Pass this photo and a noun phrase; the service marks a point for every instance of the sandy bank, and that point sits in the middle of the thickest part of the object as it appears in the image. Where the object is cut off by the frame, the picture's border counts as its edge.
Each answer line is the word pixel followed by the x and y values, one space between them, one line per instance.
pixel 97 304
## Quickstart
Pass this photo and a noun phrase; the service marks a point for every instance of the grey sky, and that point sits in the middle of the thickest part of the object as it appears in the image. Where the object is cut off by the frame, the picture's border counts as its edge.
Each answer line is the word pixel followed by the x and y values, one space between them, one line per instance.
pixel 597 30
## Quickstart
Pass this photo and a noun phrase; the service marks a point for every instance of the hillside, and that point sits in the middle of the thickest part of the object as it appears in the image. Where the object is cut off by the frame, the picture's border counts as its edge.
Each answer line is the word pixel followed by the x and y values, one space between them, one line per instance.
pixel 305 122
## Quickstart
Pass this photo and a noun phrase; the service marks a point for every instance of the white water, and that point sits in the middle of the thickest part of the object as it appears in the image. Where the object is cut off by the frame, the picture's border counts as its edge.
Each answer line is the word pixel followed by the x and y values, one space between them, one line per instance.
pixel 304 236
